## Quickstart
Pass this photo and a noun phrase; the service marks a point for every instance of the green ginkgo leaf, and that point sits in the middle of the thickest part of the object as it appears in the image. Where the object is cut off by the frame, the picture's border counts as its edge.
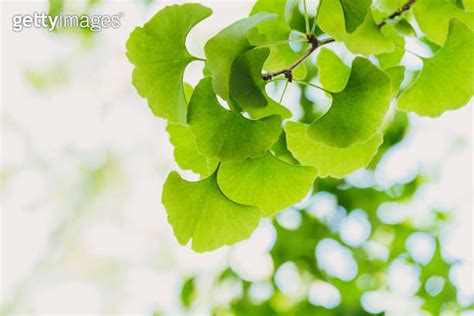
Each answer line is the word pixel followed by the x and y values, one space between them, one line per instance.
pixel 354 13
pixel 333 72
pixel 228 135
pixel 246 85
pixel 330 161
pixel 160 59
pixel 266 182
pixel 272 108
pixel 281 151
pixel 225 47
pixel 396 74
pixel 357 112
pixel 392 59
pixel 468 5
pixel 447 80
pixel 185 151
pixel 247 88
pixel 433 17
pixel 277 30
pixel 199 211
pixel 367 39
pixel 389 6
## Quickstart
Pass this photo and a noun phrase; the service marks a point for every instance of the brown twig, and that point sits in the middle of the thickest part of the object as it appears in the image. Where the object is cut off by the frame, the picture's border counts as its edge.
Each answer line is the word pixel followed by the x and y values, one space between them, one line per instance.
pixel 397 13
pixel 315 44
pixel 288 71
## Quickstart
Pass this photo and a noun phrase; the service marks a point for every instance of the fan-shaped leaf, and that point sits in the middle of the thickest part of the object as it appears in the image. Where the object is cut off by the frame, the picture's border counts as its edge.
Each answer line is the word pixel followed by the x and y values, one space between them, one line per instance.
pixel 266 182
pixel 185 152
pixel 199 211
pixel 330 161
pixel 433 17
pixel 227 135
pixel 160 59
pixel 224 48
pixel 333 73
pixel 358 111
pixel 447 80
pixel 247 88
pixel 278 30
pixel 246 83
pixel 367 39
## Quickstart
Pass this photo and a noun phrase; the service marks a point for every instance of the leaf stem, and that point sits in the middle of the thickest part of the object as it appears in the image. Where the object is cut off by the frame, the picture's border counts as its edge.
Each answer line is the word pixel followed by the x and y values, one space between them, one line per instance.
pixel 312 85
pixel 288 72
pixel 315 23
pixel 284 90
pixel 199 59
pixel 306 17
pixel 281 42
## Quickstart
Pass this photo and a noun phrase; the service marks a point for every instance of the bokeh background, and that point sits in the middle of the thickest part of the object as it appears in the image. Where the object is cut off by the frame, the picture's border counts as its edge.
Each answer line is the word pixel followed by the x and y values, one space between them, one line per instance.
pixel 83 230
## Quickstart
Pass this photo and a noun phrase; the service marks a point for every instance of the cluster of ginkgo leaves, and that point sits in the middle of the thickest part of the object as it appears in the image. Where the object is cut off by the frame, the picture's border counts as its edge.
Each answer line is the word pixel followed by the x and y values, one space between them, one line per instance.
pixel 254 157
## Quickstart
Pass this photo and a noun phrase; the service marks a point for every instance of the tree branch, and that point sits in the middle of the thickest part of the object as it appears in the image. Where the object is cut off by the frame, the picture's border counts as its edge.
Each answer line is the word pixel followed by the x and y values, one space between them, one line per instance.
pixel 315 44
pixel 288 71
pixel 397 13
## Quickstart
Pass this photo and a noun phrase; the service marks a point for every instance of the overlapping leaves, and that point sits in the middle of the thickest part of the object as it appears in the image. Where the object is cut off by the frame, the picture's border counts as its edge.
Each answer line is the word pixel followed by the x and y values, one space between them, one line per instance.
pixel 330 161
pixel 366 39
pixel 247 88
pixel 226 135
pixel 224 48
pixel 277 30
pixel 249 165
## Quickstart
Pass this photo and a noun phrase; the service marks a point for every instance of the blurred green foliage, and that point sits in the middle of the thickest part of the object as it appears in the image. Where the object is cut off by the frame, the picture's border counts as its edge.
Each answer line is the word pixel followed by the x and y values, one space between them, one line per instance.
pixel 297 246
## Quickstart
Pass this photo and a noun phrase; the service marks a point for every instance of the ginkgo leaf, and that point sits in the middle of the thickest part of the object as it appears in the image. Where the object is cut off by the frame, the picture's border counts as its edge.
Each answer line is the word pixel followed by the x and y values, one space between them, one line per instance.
pixel 185 152
pixel 357 112
pixel 277 30
pixel 228 135
pixel 367 39
pixel 447 79
pixel 354 13
pixel 404 28
pixel 160 59
pixel 199 211
pixel 272 108
pixel 247 88
pixel 280 150
pixel 333 72
pixel 188 91
pixel 246 84
pixel 389 6
pixel 433 17
pixel 468 5
pixel 396 74
pixel 330 161
pixel 224 48
pixel 297 18
pixel 266 182
pixel 392 59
